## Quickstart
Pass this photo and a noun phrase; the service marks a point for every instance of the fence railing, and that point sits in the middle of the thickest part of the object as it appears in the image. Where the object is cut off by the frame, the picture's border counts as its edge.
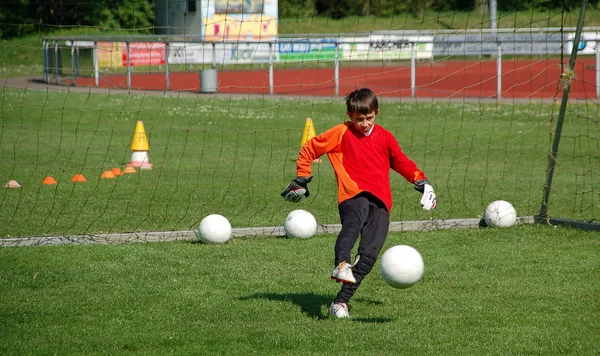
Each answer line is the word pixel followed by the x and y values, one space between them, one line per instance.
pixel 389 46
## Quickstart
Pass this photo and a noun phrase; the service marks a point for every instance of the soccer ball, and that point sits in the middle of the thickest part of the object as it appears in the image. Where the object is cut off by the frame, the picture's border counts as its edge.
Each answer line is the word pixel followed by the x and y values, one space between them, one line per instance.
pixel 214 229
pixel 401 266
pixel 300 223
pixel 500 213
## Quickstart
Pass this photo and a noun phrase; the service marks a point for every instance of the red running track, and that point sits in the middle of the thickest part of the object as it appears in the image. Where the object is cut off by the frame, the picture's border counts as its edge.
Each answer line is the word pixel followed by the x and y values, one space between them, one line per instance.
pixel 448 79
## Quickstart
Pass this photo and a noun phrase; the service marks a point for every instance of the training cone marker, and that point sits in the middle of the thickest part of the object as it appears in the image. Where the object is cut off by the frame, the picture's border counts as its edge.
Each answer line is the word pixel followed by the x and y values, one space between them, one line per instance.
pixel 129 170
pixel 117 171
pixel 78 178
pixel 139 146
pixel 107 175
pixel 308 133
pixel 49 181
pixel 12 184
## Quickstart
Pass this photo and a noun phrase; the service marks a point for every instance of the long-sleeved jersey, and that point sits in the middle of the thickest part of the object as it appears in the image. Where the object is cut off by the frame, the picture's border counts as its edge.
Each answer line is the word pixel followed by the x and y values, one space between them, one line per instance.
pixel 361 163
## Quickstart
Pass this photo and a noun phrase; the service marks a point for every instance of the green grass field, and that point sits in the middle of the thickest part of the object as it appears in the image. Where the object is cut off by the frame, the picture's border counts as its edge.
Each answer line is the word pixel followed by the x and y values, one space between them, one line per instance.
pixel 233 156
pixel 528 290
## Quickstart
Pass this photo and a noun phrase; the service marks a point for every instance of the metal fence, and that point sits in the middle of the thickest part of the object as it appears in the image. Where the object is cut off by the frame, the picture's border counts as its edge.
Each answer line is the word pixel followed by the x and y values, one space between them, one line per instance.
pixel 387 46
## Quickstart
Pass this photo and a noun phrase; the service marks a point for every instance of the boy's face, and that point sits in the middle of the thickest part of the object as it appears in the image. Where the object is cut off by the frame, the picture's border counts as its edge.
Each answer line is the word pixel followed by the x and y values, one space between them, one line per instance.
pixel 363 122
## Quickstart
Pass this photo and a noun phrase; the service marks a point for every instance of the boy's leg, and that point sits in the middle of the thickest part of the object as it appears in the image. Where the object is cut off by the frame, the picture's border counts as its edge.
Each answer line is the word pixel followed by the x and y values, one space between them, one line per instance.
pixel 373 236
pixel 353 214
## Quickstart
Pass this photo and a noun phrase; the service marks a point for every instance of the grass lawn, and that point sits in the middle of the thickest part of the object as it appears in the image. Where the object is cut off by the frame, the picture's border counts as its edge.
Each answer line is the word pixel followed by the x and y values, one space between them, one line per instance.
pixel 521 290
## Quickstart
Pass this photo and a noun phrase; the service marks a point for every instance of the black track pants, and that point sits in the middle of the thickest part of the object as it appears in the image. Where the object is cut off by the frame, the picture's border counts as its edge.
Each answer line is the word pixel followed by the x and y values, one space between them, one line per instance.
pixel 368 217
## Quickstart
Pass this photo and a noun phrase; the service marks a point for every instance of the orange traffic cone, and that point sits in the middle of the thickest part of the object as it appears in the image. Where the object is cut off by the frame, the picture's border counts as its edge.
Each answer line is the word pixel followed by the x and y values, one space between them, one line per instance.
pixel 139 146
pixel 49 181
pixel 107 175
pixel 12 184
pixel 78 178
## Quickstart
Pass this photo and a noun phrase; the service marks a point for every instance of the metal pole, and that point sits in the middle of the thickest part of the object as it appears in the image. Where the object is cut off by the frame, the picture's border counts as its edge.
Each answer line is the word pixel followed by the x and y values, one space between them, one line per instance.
pixel 214 55
pixel 336 69
pixel 413 69
pixel 499 72
pixel 597 70
pixel 168 86
pixel 96 70
pixel 46 60
pixel 567 77
pixel 73 62
pixel 493 16
pixel 128 65
pixel 56 62
pixel 271 68
pixel 78 61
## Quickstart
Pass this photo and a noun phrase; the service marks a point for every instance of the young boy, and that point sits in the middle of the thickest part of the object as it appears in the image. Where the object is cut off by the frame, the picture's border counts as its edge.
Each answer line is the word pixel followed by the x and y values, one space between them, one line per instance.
pixel 361 154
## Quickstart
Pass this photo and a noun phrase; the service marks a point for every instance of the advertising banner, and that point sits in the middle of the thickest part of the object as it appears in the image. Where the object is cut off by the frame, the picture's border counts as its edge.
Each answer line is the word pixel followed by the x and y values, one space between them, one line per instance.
pixel 477 44
pixel 225 53
pixel 587 43
pixel 239 20
pixel 388 47
pixel 307 50
pixel 110 54
pixel 192 53
pixel 144 53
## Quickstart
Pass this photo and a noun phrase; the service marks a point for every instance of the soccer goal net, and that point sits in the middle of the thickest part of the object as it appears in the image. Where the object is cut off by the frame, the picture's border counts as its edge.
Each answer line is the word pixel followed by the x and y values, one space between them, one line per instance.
pixel 141 121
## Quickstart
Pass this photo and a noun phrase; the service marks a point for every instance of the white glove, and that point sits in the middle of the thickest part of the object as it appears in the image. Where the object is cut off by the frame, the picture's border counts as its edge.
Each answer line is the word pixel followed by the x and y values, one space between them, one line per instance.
pixel 428 201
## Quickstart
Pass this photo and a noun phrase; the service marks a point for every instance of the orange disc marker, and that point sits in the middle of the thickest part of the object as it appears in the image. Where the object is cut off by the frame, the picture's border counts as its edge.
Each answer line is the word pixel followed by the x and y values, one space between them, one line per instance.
pixel 107 175
pixel 78 178
pixel 49 181
pixel 117 171
pixel 129 169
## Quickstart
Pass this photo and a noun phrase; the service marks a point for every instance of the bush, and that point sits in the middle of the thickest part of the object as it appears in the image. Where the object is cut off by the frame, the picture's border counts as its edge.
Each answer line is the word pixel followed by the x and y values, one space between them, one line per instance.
pixel 296 8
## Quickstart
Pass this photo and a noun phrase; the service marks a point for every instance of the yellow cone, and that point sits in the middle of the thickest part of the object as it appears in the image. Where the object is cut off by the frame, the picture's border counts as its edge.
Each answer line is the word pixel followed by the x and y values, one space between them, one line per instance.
pixel 139 141
pixel 309 131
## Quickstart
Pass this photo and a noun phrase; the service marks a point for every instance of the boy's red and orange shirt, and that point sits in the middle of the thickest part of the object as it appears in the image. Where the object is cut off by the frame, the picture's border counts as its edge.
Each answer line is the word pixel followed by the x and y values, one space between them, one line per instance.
pixel 361 163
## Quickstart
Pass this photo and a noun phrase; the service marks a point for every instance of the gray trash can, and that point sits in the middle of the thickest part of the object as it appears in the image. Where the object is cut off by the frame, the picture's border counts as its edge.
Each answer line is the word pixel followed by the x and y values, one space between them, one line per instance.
pixel 208 80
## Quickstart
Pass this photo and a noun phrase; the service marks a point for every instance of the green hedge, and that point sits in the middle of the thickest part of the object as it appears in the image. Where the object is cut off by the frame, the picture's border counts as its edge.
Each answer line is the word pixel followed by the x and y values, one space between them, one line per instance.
pixel 21 17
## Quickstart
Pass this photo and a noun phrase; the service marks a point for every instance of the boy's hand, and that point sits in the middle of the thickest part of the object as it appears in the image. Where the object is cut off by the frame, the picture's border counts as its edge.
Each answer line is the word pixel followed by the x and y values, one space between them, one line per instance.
pixel 296 189
pixel 428 201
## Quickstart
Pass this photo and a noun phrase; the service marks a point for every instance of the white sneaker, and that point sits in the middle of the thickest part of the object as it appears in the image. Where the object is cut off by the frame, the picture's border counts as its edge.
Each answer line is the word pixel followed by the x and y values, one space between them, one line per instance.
pixel 343 272
pixel 339 310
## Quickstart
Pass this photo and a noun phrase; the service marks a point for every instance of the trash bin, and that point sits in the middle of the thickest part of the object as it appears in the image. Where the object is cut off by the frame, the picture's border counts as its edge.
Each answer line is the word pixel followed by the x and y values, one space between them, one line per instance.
pixel 208 80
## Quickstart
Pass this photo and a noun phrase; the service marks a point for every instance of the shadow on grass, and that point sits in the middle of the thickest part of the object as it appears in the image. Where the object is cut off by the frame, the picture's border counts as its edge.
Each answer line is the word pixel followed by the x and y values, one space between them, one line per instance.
pixel 312 304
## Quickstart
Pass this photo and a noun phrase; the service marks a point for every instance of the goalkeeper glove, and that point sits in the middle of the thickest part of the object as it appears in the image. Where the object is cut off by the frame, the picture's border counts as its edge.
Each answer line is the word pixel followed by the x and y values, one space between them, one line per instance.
pixel 296 189
pixel 428 200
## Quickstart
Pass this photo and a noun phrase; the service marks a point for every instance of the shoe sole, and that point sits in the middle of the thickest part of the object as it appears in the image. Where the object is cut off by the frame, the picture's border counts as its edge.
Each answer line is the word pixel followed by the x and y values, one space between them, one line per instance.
pixel 342 280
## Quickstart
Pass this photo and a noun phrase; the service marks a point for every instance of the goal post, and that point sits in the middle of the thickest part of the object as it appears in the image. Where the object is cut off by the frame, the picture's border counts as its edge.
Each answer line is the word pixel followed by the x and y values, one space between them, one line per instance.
pixel 566 81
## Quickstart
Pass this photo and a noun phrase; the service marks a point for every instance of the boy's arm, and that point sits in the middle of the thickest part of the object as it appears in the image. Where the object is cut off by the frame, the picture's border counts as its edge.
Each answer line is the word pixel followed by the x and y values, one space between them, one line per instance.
pixel 311 150
pixel 409 170
pixel 316 147
pixel 403 165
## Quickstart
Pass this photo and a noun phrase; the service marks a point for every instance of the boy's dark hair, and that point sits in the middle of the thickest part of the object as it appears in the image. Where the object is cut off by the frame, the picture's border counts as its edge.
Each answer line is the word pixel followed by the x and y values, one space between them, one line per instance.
pixel 362 101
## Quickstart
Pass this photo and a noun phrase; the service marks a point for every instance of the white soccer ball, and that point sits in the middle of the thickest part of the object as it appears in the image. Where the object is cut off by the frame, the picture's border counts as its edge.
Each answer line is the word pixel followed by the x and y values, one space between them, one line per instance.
pixel 300 224
pixel 500 213
pixel 214 229
pixel 401 266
